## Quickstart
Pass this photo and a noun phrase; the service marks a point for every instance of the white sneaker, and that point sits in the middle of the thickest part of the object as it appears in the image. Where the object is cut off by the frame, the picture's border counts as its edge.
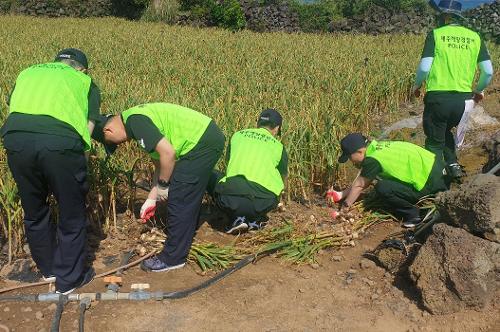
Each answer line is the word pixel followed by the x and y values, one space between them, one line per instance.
pixel 239 226
pixel 49 278
pixel 66 292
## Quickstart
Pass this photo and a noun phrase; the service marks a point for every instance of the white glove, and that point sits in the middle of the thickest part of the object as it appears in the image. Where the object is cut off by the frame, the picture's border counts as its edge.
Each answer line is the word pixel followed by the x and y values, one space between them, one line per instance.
pixel 148 209
pixel 161 193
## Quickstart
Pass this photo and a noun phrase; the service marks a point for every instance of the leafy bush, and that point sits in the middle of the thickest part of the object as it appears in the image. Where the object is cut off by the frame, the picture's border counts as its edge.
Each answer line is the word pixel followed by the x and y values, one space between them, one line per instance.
pixel 228 14
pixel 317 15
pixel 400 4
pixel 223 13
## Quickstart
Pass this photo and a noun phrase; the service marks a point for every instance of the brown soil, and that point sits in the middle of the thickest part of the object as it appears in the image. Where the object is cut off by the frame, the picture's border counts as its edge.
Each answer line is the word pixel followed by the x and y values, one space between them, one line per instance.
pixel 343 292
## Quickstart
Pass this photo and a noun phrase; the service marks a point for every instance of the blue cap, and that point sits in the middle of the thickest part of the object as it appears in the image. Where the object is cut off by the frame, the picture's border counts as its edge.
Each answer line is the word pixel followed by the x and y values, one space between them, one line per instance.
pixel 450 7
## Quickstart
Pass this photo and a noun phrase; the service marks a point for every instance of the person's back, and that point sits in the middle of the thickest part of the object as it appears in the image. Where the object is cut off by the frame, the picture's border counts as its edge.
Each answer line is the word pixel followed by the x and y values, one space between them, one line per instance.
pixel 56 90
pixel 182 126
pixel 456 52
pixel 255 155
pixel 403 161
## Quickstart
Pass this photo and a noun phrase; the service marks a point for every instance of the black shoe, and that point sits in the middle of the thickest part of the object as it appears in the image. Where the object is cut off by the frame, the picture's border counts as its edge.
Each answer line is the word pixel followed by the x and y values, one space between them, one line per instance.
pixel 412 223
pixel 87 278
pixel 455 171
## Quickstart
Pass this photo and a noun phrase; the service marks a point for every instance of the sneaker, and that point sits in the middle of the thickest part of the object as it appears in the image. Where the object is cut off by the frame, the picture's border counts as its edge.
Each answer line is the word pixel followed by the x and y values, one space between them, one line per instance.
pixel 154 264
pixel 87 278
pixel 49 278
pixel 239 226
pixel 456 171
pixel 414 222
pixel 256 225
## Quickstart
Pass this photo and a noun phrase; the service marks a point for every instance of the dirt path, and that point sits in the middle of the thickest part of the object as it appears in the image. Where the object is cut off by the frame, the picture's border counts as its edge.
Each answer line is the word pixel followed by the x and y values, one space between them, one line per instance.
pixel 343 293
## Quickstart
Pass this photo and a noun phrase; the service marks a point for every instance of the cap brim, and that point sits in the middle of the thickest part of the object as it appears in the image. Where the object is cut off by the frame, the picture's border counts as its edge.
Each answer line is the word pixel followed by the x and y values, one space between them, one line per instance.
pixel 451 12
pixel 98 134
pixel 343 158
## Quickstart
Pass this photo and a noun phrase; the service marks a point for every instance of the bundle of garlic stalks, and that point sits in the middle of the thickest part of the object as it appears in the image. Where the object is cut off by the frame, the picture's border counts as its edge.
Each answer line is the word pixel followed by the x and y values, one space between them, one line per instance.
pixel 294 241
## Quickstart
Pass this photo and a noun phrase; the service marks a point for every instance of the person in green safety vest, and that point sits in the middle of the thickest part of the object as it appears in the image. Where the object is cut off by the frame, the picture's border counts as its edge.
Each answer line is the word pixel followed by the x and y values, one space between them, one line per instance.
pixel 54 108
pixel 448 66
pixel 257 165
pixel 405 172
pixel 184 145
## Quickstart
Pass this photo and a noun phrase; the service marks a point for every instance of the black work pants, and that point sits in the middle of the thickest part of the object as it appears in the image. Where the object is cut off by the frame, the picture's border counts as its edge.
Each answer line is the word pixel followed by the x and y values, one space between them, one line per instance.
pixel 42 164
pixel 442 113
pixel 254 209
pixel 188 184
pixel 400 198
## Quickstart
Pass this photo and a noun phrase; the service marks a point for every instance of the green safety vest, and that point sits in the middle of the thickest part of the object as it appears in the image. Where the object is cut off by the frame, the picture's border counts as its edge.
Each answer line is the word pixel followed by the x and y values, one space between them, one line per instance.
pixel 256 154
pixel 403 161
pixel 57 90
pixel 181 126
pixel 455 59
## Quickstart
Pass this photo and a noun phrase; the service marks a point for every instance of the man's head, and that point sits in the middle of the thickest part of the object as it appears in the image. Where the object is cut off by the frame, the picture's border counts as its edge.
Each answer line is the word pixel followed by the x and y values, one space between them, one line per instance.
pixel 353 148
pixel 272 120
pixel 114 131
pixel 73 57
pixel 449 11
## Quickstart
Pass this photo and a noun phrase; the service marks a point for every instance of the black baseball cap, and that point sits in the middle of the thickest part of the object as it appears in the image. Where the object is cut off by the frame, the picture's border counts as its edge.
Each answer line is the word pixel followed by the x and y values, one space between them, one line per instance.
pixel 270 117
pixel 73 54
pixel 350 144
pixel 98 133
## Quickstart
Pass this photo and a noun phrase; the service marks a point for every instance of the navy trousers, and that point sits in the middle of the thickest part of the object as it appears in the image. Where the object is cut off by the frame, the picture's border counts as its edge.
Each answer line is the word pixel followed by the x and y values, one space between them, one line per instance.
pixel 42 164
pixel 188 184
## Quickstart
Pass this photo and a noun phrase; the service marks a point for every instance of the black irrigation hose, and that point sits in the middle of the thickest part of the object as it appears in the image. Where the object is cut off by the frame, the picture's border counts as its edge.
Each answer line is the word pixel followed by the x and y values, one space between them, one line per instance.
pixel 56 321
pixel 84 305
pixel 81 318
pixel 185 293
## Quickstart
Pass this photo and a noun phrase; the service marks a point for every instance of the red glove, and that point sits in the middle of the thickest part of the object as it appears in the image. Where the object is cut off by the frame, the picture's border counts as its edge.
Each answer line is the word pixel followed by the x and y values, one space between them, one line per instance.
pixel 334 196
pixel 334 214
pixel 148 210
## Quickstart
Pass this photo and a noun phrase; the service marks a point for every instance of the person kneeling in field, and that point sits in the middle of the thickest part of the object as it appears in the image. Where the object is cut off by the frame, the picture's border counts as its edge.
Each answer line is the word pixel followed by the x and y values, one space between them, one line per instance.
pixel 254 180
pixel 185 146
pixel 405 172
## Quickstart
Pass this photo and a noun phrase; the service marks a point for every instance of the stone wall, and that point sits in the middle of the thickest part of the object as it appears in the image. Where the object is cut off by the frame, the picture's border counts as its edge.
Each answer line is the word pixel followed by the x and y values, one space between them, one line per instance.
pixel 486 19
pixel 381 20
pixel 270 17
pixel 73 8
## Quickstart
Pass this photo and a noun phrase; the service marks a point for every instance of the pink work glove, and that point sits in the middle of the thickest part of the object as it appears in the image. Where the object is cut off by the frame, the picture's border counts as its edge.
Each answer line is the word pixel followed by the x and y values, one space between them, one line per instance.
pixel 148 210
